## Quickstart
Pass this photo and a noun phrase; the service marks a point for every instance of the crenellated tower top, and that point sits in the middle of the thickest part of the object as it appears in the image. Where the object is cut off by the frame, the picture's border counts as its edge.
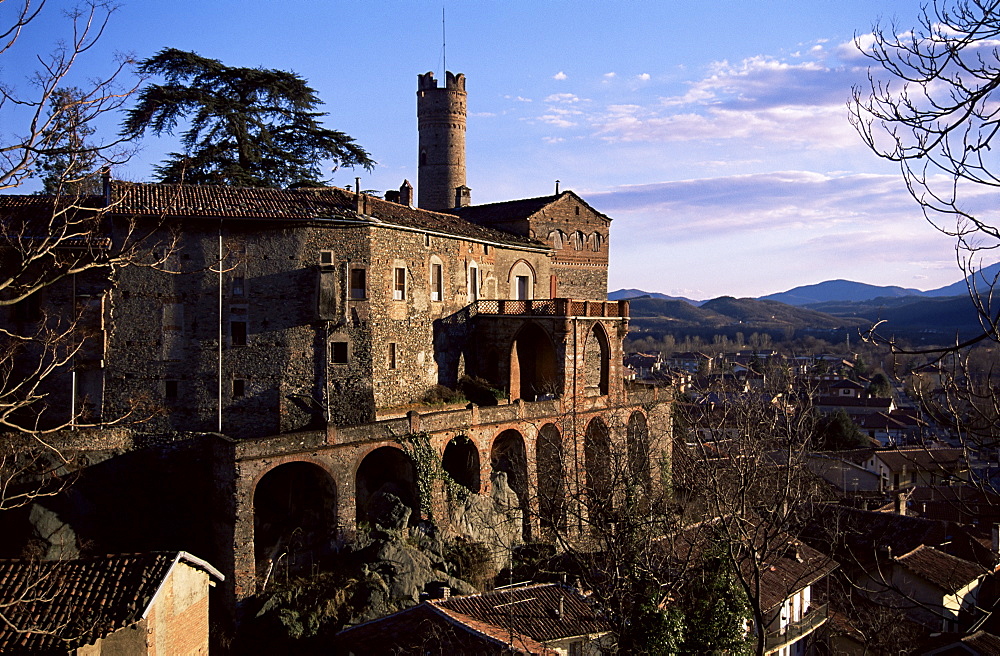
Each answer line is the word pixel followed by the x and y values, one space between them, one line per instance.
pixel 441 115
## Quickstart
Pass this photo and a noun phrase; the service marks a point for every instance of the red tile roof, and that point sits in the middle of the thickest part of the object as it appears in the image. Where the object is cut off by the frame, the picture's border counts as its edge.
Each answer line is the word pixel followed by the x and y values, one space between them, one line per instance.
pixel 427 627
pixel 947 572
pixel 213 202
pixel 56 606
pixel 532 610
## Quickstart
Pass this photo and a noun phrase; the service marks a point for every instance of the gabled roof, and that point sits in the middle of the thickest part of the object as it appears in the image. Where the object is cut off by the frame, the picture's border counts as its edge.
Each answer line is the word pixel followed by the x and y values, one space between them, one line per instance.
pixel 532 610
pixel 945 571
pixel 63 604
pixel 427 626
pixel 922 458
pixel 517 210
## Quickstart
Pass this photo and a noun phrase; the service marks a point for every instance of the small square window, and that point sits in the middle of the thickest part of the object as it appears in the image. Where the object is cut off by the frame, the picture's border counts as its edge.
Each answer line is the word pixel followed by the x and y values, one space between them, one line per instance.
pixel 170 389
pixel 399 284
pixel 338 352
pixel 393 362
pixel 238 333
pixel 359 284
pixel 239 388
pixel 326 258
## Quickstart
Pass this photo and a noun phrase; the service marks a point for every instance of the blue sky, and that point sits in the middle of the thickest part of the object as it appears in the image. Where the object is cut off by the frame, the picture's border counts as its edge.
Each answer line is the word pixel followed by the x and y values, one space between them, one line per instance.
pixel 715 133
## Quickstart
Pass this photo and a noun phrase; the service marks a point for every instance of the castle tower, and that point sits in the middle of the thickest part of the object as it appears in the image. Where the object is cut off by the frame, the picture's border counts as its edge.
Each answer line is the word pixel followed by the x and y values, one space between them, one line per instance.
pixel 441 126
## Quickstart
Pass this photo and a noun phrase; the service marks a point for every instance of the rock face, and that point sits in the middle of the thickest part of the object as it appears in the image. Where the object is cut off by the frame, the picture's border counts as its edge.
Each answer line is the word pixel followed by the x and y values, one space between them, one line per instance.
pixel 495 520
pixel 53 537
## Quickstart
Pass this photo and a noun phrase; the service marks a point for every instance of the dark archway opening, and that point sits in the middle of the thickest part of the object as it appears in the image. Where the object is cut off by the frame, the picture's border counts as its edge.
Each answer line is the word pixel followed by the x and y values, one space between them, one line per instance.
pixel 294 517
pixel 638 453
pixel 461 462
pixel 597 461
pixel 508 455
pixel 597 362
pixel 386 480
pixel 551 480
pixel 533 371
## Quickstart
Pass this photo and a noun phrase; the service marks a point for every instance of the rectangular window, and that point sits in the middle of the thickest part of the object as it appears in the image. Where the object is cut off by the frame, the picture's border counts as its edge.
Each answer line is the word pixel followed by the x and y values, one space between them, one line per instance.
pixel 473 283
pixel 522 288
pixel 238 285
pixel 427 239
pixel 338 352
pixel 238 333
pixel 239 388
pixel 399 284
pixel 359 284
pixel 437 283
pixel 326 258
pixel 170 388
pixel 392 355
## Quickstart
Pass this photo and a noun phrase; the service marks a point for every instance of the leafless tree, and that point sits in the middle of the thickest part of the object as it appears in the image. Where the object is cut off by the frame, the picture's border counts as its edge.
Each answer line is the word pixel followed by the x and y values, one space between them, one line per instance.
pixel 58 253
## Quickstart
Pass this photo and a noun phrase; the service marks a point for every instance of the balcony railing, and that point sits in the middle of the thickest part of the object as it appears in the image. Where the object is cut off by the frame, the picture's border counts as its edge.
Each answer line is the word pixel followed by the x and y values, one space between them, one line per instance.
pixel 811 621
pixel 551 307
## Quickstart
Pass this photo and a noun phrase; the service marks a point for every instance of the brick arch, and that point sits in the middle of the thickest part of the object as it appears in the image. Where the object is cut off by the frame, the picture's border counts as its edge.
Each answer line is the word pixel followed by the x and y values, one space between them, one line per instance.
pixel 598 468
pixel 597 361
pixel 637 443
pixel 461 461
pixel 294 517
pixel 533 368
pixel 388 469
pixel 508 454
pixel 550 472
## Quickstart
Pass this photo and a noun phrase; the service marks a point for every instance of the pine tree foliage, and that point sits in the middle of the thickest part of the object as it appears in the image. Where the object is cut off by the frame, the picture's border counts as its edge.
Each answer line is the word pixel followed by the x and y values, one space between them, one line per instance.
pixel 251 127
pixel 67 161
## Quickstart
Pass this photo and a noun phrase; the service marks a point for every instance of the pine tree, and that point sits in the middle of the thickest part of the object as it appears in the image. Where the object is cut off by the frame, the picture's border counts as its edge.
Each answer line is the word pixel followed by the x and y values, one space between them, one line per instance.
pixel 66 160
pixel 251 127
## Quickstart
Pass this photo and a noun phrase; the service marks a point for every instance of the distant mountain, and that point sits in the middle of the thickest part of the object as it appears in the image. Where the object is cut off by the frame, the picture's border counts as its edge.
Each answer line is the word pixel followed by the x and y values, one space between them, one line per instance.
pixel 983 279
pixel 624 294
pixel 837 290
pixel 731 315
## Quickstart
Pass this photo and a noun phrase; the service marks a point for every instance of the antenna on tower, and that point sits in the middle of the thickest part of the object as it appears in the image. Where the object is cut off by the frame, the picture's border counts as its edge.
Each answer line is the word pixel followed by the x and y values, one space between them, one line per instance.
pixel 444 44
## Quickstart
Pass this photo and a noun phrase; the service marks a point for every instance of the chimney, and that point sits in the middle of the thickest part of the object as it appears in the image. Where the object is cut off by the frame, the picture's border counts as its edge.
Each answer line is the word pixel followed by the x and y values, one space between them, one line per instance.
pixel 557 187
pixel 463 196
pixel 406 194
pixel 106 184
pixel 899 503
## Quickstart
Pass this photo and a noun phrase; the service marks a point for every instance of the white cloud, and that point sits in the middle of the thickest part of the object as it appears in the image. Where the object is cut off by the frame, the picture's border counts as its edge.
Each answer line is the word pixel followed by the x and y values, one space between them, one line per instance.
pixel 609 75
pixel 563 98
pixel 643 76
pixel 559 76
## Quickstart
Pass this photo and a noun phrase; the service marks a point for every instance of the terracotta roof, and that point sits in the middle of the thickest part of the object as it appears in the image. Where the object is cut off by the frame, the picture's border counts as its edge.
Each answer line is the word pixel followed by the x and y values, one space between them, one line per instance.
pixel 922 459
pixel 984 643
pixel 214 201
pixel 428 627
pixel 795 567
pixel 943 570
pixel 515 210
pixel 532 610
pixel 63 604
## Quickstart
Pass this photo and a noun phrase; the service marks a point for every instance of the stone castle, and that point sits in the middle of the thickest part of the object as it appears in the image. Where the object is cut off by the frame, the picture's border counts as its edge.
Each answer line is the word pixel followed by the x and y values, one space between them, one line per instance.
pixel 295 335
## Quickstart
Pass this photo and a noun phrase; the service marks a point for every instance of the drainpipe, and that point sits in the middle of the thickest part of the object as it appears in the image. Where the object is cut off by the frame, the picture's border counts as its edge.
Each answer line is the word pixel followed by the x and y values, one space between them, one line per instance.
pixel 72 367
pixel 220 330
pixel 576 437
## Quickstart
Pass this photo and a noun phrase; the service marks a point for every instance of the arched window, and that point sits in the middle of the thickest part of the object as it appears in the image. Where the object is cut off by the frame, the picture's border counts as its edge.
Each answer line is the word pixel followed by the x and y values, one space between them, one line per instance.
pixel 556 237
pixel 578 239
pixel 595 241
pixel 522 281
